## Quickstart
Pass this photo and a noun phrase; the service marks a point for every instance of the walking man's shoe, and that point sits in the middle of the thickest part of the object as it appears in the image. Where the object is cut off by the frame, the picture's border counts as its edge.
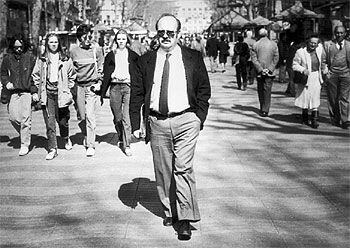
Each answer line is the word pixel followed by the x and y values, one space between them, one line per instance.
pixel 168 221
pixel 23 151
pixel 90 152
pixel 52 154
pixel 184 230
pixel 68 144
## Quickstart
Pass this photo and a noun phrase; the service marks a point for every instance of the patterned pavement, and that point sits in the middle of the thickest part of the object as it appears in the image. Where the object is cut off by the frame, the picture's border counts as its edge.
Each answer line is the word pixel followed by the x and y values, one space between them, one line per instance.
pixel 262 182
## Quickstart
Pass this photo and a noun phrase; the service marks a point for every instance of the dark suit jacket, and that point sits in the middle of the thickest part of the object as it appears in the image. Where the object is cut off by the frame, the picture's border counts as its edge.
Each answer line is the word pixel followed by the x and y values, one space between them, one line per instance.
pixel 198 86
pixel 109 66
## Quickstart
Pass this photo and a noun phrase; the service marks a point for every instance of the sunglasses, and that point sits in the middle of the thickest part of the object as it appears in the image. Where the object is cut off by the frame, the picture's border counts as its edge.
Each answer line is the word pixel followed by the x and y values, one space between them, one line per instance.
pixel 170 34
pixel 86 37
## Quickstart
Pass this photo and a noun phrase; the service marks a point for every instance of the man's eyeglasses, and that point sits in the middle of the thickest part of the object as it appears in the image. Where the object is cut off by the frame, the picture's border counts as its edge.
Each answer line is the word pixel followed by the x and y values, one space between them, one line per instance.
pixel 169 33
pixel 86 37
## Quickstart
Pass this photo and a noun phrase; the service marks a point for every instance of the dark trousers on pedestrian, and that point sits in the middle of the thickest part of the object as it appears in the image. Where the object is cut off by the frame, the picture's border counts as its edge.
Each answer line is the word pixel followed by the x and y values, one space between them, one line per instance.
pixel 251 72
pixel 241 74
pixel 264 93
pixel 53 113
pixel 119 102
pixel 173 142
pixel 338 88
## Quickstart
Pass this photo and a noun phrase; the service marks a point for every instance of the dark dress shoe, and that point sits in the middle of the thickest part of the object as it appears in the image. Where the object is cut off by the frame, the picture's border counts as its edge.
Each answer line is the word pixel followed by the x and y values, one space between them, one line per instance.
pixel 345 125
pixel 168 221
pixel 184 230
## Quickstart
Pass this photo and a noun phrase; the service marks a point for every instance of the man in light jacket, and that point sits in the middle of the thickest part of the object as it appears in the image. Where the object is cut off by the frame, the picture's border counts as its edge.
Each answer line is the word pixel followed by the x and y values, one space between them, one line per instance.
pixel 264 57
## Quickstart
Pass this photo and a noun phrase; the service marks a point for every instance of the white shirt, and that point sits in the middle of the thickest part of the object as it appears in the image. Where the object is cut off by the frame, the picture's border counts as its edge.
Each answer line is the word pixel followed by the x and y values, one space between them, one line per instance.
pixel 177 88
pixel 54 62
pixel 121 70
pixel 338 46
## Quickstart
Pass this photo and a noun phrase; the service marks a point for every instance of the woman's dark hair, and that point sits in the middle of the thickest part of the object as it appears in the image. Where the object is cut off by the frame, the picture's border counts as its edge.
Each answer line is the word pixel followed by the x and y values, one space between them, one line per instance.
pixel 168 14
pixel 122 31
pixel 12 40
pixel 83 29
pixel 312 35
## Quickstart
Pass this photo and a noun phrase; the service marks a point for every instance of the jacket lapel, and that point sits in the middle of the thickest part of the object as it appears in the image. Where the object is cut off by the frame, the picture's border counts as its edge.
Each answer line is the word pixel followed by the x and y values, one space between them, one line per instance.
pixel 187 60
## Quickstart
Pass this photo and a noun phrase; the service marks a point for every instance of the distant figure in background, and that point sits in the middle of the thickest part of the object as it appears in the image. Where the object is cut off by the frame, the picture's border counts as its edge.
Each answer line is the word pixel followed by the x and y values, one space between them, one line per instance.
pixel 337 73
pixel 212 51
pixel 307 60
pixel 187 41
pixel 54 76
pixel 137 47
pixel 250 66
pixel 198 45
pixel 241 56
pixel 16 69
pixel 265 57
pixel 223 48
pixel 283 47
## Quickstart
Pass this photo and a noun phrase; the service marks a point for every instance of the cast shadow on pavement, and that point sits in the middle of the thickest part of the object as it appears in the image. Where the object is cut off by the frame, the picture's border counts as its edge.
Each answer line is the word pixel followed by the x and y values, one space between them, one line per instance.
pixel 141 191
pixel 37 141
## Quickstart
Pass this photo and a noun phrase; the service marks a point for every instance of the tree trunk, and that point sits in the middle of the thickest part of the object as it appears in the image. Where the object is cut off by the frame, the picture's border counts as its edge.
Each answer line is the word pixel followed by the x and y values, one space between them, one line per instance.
pixel 63 6
pixel 36 13
pixel 3 28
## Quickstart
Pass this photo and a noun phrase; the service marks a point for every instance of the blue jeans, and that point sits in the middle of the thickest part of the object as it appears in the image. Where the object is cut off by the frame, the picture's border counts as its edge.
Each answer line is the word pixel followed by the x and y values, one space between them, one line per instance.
pixel 119 102
pixel 53 113
pixel 87 102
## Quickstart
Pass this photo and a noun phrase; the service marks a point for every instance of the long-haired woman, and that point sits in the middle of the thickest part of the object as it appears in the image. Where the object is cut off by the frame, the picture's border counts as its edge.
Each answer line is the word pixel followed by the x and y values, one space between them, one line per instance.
pixel 118 74
pixel 54 76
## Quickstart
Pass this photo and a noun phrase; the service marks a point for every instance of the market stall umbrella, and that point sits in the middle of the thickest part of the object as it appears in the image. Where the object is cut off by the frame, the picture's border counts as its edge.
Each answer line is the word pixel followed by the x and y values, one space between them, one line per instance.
pixel 260 21
pixel 229 21
pixel 297 10
pixel 135 28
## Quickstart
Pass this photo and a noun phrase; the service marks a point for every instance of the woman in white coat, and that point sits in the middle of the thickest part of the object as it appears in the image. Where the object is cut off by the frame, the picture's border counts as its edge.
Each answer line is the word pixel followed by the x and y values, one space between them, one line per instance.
pixel 307 60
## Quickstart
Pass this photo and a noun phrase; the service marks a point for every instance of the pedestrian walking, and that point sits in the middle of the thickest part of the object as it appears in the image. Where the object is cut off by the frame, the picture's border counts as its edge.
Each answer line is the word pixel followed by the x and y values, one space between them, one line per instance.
pixel 88 64
pixel 16 69
pixel 251 74
pixel 337 74
pixel 223 48
pixel 241 55
pixel 174 87
pixel 119 73
pixel 211 48
pixel 265 57
pixel 197 44
pixel 307 61
pixel 54 76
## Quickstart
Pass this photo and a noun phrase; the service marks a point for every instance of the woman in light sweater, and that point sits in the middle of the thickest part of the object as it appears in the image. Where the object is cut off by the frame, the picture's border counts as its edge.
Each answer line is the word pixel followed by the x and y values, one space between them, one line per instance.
pixel 119 73
pixel 54 76
pixel 308 60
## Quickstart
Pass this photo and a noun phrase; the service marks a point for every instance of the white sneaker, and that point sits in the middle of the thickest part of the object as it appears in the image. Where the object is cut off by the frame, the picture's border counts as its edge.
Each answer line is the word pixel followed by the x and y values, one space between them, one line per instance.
pixel 90 152
pixel 68 144
pixel 84 141
pixel 128 151
pixel 23 151
pixel 52 154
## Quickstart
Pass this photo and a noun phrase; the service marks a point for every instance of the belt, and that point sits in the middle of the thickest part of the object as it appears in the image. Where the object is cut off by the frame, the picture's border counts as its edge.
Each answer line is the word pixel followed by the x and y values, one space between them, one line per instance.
pixel 169 115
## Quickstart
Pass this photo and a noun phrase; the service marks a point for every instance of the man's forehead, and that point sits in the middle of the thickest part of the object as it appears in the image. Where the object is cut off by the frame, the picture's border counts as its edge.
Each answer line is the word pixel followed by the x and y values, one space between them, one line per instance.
pixel 168 23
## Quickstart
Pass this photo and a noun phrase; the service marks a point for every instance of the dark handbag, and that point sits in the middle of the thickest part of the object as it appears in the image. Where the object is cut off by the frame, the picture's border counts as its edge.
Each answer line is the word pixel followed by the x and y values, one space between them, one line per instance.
pixel 5 95
pixel 300 78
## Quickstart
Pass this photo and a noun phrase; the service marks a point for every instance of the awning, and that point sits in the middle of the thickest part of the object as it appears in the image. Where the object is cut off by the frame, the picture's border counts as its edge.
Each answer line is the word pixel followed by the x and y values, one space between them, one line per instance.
pixel 298 11
pixel 229 21
pixel 135 28
pixel 260 21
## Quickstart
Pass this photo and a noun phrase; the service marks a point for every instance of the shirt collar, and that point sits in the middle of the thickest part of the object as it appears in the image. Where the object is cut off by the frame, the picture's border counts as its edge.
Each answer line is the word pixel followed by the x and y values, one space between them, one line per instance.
pixel 176 51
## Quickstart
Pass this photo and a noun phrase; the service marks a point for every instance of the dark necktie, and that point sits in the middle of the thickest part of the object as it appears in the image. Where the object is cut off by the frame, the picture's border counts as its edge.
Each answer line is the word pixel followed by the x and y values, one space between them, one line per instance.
pixel 340 45
pixel 163 97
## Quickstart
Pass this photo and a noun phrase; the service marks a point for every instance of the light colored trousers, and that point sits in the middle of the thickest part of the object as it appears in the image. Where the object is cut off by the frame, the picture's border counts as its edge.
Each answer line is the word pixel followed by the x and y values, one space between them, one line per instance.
pixel 20 112
pixel 173 142
pixel 87 102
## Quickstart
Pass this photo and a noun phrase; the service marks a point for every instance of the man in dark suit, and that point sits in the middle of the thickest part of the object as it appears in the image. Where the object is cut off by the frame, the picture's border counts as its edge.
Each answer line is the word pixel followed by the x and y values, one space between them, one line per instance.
pixel 173 84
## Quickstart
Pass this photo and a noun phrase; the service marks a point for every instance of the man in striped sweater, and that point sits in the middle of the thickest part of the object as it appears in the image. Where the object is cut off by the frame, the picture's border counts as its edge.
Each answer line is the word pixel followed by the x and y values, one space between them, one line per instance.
pixel 88 63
